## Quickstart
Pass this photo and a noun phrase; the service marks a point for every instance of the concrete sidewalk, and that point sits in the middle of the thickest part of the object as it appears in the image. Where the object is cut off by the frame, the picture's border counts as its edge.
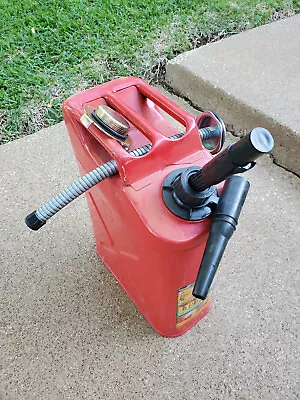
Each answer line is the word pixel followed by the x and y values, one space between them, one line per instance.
pixel 68 331
pixel 250 79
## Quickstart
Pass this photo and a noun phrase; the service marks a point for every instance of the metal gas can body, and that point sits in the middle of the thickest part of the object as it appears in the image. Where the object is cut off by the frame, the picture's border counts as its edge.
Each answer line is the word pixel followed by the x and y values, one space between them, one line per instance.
pixel 153 254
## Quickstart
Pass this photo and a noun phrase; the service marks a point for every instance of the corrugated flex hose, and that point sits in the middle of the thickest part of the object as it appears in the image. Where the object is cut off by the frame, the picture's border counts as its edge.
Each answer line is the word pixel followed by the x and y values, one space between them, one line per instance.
pixel 78 187
pixel 38 218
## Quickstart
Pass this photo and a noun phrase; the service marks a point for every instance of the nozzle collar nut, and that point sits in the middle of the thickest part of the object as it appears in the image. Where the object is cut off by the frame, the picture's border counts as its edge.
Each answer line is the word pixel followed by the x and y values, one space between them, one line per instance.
pixel 185 202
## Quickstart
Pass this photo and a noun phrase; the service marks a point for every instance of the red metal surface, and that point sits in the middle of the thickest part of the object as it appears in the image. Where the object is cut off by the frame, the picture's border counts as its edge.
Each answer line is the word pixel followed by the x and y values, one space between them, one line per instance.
pixel 151 252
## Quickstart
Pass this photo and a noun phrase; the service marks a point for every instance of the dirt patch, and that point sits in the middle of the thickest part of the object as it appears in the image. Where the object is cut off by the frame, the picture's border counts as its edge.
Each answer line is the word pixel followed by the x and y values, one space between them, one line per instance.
pixel 155 72
pixel 3 121
pixel 277 15
pixel 33 117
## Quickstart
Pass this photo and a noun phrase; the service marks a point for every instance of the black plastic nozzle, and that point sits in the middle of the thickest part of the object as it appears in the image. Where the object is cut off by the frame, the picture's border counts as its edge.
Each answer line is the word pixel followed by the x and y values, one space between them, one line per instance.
pixel 223 224
pixel 236 158
pixel 33 222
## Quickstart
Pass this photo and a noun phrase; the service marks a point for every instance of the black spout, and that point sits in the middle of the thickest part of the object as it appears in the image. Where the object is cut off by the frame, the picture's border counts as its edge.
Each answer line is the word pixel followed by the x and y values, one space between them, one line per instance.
pixel 237 158
pixel 223 224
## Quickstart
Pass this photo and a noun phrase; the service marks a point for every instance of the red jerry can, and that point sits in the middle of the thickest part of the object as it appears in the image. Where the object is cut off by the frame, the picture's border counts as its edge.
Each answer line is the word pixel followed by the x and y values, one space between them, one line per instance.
pixel 147 237
pixel 152 253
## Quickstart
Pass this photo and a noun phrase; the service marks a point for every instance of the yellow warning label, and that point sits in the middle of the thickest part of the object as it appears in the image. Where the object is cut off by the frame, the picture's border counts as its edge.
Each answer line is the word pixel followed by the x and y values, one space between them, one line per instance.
pixel 188 306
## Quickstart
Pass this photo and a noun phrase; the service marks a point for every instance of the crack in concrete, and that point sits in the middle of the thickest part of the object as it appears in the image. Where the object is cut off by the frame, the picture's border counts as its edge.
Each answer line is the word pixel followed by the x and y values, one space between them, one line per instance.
pixel 281 166
pixel 229 128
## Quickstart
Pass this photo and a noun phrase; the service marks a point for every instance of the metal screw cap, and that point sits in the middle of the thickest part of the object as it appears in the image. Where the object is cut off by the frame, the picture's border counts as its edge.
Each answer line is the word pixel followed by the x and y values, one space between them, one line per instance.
pixel 113 119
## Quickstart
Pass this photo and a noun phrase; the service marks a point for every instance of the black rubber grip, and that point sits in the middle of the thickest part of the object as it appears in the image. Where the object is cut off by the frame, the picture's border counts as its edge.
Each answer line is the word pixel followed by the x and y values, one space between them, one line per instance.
pixel 251 146
pixel 33 222
pixel 236 158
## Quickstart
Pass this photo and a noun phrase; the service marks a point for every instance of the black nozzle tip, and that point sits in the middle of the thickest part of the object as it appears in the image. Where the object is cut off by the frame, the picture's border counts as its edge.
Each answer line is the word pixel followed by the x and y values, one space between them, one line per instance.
pixel 200 296
pixel 262 140
pixel 33 222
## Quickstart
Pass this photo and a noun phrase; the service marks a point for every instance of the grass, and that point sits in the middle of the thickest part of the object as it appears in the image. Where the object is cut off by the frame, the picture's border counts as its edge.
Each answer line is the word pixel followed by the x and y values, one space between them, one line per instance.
pixel 51 49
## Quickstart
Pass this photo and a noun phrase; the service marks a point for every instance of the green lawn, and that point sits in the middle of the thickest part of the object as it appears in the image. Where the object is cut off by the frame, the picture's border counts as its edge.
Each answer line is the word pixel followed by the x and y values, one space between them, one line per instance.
pixel 51 49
